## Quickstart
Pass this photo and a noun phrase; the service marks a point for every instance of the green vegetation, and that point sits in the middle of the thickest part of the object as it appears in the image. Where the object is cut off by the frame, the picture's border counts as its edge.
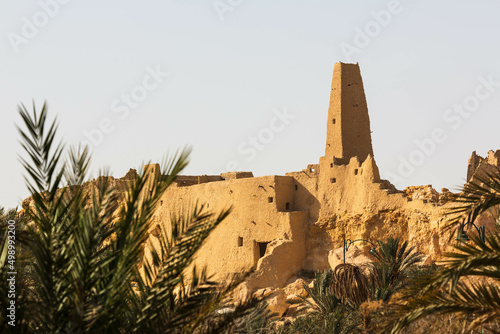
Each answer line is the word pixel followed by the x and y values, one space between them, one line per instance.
pixel 467 286
pixel 395 265
pixel 86 248
pixel 327 312
pixel 341 299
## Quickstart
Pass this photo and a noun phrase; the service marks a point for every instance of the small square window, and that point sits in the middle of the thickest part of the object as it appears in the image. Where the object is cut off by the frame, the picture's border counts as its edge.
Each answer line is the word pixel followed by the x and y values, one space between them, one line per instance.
pixel 333 121
pixel 355 172
pixel 270 199
pixel 333 180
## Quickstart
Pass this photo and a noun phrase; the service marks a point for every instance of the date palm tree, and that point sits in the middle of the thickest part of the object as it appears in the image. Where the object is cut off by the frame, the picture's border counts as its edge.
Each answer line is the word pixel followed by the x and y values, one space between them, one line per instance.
pixel 88 248
pixel 468 284
pixel 327 313
pixel 395 262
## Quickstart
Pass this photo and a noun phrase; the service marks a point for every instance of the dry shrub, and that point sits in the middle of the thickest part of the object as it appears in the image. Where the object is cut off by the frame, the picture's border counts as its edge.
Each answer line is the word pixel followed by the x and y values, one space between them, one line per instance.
pixel 349 284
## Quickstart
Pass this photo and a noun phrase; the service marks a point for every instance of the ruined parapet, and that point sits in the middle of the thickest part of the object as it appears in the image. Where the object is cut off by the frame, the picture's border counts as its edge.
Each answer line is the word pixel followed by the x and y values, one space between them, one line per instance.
pixel 474 161
pixel 494 157
pixel 478 164
pixel 186 180
pixel 387 186
pixel 152 169
pixel 209 178
pixel 236 175
pixel 353 187
pixel 152 173
pixel 348 125
pixel 190 180
pixel 130 176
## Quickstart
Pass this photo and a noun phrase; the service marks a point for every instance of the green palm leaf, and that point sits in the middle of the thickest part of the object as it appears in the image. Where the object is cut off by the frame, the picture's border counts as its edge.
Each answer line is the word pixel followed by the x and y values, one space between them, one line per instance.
pixel 87 245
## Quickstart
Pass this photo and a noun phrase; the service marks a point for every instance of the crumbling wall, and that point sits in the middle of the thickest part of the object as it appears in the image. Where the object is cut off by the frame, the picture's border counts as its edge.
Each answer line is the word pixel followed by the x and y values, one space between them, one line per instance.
pixel 284 257
pixel 236 175
pixel 478 164
pixel 353 187
pixel 306 191
pixel 425 193
pixel 263 213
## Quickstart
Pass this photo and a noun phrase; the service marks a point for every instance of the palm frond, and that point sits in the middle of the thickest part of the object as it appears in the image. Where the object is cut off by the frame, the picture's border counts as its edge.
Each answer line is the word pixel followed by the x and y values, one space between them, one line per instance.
pixel 395 261
pixel 87 246
pixel 480 299
pixel 343 320
pixel 477 196
pixel 475 258
pixel 177 257
pixel 324 300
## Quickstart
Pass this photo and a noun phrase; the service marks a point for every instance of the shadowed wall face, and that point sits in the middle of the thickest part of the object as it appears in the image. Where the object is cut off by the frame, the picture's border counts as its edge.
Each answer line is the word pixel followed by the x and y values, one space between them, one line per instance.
pixel 348 129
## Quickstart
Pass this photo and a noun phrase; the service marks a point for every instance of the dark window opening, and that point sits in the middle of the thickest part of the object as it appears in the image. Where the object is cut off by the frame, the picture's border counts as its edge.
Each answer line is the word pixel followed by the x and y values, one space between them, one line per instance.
pixel 240 241
pixel 262 248
pixel 161 203
pixel 355 172
pixel 270 199
pixel 333 121
pixel 333 180
pixel 287 205
pixel 331 165
pixel 296 187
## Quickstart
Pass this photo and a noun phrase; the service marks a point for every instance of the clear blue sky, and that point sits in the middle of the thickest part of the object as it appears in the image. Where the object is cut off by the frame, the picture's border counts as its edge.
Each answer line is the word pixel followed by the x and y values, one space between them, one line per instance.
pixel 234 64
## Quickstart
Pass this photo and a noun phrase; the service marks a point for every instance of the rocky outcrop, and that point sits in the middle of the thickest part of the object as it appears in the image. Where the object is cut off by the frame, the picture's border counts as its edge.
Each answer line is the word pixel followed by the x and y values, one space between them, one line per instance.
pixel 425 193
pixel 354 255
